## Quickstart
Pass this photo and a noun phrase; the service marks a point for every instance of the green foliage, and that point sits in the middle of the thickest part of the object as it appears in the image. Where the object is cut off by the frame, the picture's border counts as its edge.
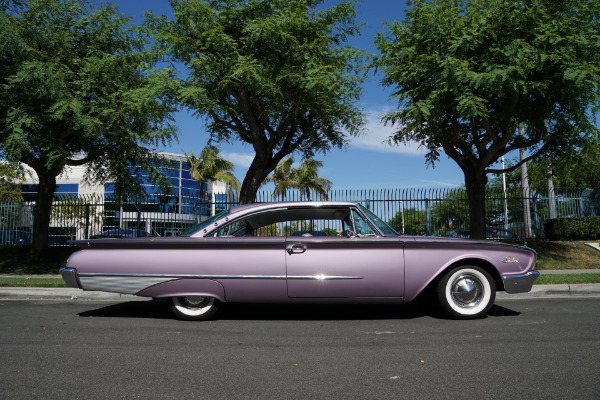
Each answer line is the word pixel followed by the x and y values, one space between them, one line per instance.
pixel 331 232
pixel 75 89
pixel 571 279
pixel 585 228
pixel 69 212
pixel 269 230
pixel 573 168
pixel 16 259
pixel 466 73
pixel 410 222
pixel 305 178
pixel 32 282
pixel 452 211
pixel 10 190
pixel 274 74
pixel 211 167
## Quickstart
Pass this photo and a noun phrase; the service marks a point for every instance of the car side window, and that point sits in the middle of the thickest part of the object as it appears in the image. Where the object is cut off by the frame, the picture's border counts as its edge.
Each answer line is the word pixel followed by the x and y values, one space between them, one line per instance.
pixel 361 228
pixel 299 222
pixel 237 228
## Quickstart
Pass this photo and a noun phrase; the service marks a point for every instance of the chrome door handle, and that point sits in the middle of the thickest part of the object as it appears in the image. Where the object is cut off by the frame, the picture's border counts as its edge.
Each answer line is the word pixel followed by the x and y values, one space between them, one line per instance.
pixel 296 248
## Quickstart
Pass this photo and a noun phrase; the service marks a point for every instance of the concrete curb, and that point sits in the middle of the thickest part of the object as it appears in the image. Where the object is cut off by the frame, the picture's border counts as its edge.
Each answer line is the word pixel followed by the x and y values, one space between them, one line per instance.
pixel 32 293
pixel 562 290
pixel 9 293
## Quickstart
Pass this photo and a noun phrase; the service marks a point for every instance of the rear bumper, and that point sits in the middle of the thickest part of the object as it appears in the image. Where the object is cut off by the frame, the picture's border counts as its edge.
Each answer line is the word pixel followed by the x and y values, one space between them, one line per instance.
pixel 69 275
pixel 520 283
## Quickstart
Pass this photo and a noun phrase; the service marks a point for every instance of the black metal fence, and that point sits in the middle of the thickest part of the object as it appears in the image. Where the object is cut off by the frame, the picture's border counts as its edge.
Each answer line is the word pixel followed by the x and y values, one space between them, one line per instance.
pixel 440 212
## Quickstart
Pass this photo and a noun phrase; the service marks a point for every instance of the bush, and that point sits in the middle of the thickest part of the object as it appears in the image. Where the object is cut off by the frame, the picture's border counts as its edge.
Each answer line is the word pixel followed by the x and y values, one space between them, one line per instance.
pixel 17 259
pixel 585 228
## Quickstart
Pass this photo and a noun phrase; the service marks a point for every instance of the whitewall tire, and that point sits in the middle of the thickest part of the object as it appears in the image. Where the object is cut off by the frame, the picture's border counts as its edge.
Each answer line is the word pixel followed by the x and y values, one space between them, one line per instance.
pixel 466 292
pixel 194 308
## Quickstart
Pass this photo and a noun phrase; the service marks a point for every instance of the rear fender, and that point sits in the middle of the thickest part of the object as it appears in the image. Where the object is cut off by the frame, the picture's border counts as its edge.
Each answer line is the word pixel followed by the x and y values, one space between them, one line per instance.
pixel 186 287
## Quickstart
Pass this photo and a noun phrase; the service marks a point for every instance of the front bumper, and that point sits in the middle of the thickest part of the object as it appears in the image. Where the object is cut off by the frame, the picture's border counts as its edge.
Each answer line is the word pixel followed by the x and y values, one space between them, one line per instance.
pixel 520 283
pixel 69 275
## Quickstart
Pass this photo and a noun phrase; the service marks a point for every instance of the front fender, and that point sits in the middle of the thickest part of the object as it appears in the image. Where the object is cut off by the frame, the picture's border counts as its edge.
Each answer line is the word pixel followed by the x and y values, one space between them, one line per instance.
pixel 186 287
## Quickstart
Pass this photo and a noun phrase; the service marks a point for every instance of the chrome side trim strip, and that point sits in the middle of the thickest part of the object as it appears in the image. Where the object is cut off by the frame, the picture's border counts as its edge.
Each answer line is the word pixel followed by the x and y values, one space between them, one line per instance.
pixel 184 276
pixel 322 277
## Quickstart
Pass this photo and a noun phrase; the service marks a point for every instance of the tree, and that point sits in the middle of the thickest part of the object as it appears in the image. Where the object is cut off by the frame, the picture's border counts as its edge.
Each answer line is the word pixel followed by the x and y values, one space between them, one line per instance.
pixel 305 178
pixel 11 198
pixel 282 177
pixel 75 90
pixel 73 214
pixel 275 75
pixel 211 167
pixel 411 221
pixel 466 73
pixel 575 168
pixel 9 188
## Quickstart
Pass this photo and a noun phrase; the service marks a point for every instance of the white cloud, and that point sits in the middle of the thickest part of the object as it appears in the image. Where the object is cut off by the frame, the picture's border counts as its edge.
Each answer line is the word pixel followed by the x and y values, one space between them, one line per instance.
pixel 430 183
pixel 239 159
pixel 374 138
pixel 377 134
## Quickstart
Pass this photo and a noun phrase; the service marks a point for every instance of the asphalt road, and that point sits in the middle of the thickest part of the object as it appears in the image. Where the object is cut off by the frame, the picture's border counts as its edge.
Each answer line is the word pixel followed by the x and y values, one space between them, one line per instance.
pixel 534 349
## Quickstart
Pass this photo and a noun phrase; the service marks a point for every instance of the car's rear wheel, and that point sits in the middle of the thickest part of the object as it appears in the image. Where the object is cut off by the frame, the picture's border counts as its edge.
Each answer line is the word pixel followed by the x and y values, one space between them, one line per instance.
pixel 466 292
pixel 194 308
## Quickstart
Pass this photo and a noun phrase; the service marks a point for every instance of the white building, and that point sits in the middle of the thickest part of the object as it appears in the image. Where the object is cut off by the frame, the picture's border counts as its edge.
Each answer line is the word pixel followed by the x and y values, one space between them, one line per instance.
pixel 161 214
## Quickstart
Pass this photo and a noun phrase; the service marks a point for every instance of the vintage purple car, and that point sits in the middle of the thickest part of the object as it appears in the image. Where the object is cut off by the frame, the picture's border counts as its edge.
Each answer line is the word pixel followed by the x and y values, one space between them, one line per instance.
pixel 317 252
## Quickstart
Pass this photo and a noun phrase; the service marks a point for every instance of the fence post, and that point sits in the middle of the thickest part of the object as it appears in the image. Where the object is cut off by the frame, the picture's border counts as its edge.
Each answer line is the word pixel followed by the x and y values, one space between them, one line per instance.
pixel 139 221
pixel 87 221
pixel 535 215
pixel 427 218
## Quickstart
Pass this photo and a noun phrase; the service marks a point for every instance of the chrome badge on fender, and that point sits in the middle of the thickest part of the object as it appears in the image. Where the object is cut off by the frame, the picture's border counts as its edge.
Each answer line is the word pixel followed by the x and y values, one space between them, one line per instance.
pixel 510 260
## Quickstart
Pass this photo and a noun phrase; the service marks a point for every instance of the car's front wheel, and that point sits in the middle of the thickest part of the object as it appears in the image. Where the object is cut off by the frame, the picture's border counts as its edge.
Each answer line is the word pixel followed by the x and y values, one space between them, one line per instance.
pixel 466 292
pixel 194 308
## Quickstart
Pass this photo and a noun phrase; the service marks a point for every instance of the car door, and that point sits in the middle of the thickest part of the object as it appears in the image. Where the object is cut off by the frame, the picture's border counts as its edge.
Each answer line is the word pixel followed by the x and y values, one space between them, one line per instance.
pixel 345 267
pixel 249 268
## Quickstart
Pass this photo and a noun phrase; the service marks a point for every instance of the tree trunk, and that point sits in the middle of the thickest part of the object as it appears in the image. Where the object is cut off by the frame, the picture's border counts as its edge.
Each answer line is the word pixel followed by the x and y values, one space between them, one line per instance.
pixel 549 179
pixel 525 189
pixel 43 210
pixel 257 173
pixel 475 185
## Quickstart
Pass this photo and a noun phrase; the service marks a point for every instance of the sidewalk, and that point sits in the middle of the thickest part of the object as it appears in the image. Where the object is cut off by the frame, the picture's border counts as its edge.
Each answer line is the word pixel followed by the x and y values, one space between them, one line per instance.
pixel 32 293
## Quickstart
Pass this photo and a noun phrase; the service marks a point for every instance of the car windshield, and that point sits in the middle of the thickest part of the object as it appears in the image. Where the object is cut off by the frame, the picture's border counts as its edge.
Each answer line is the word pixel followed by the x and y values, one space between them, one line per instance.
pixel 385 229
pixel 196 228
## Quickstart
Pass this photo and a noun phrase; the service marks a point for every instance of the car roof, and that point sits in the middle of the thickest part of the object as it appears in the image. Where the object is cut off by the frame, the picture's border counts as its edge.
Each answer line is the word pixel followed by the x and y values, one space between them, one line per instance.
pixel 256 209
pixel 293 204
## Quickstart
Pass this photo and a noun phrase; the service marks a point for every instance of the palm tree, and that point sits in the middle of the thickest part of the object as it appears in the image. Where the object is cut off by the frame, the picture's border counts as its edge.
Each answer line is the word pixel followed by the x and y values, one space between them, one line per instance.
pixel 304 178
pixel 210 167
pixel 283 177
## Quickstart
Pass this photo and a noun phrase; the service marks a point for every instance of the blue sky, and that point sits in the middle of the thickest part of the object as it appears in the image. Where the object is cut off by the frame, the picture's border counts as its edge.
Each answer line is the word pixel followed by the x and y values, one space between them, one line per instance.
pixel 366 163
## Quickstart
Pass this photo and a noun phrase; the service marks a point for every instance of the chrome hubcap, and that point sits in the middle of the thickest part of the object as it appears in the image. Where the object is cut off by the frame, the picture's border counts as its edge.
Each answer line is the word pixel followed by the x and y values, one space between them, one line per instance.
pixel 467 291
pixel 194 301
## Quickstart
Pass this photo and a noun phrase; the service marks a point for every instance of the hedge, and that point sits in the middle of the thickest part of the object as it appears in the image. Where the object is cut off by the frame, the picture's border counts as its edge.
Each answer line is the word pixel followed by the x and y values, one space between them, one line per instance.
pixel 584 228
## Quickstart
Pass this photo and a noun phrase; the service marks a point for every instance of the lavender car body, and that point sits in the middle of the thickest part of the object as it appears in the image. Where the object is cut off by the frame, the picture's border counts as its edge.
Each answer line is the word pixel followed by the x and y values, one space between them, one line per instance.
pixel 325 252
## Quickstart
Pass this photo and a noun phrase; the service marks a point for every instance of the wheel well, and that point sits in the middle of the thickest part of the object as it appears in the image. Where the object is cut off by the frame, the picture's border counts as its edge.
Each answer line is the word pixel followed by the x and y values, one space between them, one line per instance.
pixel 489 268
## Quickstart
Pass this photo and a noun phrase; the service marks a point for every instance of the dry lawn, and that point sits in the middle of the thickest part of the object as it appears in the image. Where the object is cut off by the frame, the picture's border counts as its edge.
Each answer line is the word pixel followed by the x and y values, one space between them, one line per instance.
pixel 565 255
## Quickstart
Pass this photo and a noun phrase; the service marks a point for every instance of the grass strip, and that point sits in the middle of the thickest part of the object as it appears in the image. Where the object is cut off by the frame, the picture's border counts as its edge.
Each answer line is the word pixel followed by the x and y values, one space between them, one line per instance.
pixel 32 282
pixel 567 278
